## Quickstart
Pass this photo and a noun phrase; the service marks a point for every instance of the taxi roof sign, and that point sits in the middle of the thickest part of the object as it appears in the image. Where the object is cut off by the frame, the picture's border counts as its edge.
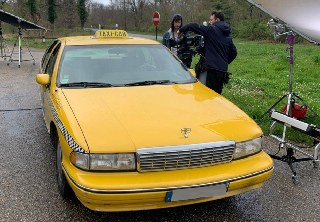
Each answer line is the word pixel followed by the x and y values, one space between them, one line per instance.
pixel 111 34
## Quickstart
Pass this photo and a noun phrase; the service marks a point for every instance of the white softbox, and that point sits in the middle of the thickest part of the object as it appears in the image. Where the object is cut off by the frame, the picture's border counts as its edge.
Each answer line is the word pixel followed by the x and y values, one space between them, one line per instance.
pixel 301 16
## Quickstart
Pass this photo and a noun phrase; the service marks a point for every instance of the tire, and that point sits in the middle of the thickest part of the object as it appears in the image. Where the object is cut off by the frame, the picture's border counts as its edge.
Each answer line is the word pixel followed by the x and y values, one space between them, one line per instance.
pixel 64 187
pixel 53 135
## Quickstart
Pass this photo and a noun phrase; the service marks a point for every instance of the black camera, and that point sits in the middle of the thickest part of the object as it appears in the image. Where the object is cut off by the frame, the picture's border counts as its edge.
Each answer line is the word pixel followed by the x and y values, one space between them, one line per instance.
pixel 185 42
pixel 187 47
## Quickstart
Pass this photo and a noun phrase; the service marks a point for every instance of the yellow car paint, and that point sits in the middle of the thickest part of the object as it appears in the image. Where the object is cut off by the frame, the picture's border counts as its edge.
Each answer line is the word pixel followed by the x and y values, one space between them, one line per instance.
pixel 126 118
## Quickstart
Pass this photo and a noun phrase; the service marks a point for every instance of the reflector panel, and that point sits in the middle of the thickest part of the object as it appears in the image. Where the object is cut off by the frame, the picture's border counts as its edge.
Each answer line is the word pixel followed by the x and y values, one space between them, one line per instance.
pixel 18 22
pixel 302 16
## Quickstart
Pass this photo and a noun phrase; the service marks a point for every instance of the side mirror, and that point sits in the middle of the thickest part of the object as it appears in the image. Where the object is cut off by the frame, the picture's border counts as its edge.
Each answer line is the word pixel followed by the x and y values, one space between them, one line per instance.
pixel 193 72
pixel 43 79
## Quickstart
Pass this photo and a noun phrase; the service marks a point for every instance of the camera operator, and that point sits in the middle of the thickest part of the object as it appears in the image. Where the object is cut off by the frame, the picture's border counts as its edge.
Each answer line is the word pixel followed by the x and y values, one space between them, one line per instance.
pixel 199 68
pixel 219 49
pixel 170 38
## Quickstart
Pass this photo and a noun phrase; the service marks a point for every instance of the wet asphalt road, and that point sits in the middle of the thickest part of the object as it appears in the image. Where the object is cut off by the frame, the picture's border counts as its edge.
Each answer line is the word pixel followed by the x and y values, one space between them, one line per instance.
pixel 28 190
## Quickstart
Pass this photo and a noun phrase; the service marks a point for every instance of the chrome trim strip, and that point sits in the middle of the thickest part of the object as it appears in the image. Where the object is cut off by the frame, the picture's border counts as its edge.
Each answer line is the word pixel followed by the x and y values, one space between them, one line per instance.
pixel 186 147
pixel 163 189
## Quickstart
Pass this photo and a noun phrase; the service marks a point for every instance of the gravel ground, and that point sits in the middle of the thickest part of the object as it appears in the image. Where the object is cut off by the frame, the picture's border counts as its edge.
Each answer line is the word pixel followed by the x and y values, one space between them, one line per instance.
pixel 28 190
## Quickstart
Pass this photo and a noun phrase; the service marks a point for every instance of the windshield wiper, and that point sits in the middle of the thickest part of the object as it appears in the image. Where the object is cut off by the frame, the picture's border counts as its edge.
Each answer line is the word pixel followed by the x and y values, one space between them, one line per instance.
pixel 86 84
pixel 184 66
pixel 150 82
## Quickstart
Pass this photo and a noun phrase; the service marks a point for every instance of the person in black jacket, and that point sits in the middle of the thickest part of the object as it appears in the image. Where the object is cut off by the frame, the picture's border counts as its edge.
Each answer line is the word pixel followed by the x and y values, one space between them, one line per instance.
pixel 170 39
pixel 219 49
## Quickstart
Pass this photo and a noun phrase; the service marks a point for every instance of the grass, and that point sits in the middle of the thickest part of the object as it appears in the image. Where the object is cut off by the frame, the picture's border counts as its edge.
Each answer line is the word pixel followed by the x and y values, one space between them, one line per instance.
pixel 30 42
pixel 34 39
pixel 261 77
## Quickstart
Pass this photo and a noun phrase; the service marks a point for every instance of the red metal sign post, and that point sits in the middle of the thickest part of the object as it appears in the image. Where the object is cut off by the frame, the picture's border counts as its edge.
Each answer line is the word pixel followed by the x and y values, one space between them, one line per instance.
pixel 156 21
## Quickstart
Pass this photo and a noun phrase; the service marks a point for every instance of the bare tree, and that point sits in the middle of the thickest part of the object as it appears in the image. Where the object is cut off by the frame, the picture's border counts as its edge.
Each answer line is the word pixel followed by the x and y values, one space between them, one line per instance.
pixel 68 17
pixel 137 14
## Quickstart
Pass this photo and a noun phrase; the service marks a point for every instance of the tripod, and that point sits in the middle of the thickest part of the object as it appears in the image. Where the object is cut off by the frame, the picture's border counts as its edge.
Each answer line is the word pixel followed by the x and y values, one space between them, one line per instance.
pixel 289 157
pixel 19 39
pixel 291 95
pixel 3 45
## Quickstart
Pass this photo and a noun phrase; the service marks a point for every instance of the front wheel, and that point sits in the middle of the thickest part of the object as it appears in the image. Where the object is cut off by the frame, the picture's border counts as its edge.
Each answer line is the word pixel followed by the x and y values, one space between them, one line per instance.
pixel 64 187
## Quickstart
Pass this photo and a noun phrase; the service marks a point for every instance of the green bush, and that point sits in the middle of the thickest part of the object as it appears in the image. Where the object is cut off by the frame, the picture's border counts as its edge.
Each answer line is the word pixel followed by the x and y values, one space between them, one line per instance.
pixel 252 30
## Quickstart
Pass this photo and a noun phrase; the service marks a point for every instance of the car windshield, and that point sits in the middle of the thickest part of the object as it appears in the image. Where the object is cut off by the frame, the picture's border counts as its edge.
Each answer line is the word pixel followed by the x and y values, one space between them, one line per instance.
pixel 120 65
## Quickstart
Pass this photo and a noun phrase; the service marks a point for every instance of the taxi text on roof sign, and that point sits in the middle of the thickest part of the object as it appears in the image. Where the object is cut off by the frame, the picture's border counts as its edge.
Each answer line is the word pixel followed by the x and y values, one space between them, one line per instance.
pixel 111 34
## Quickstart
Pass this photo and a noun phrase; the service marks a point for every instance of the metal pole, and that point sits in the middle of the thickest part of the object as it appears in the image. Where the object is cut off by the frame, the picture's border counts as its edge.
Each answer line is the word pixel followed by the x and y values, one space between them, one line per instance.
pixel 1 39
pixel 19 46
pixel 290 39
pixel 291 43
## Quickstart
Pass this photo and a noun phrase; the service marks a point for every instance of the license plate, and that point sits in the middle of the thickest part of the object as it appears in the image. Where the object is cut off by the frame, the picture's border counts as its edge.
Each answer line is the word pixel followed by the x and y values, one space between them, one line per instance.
pixel 197 192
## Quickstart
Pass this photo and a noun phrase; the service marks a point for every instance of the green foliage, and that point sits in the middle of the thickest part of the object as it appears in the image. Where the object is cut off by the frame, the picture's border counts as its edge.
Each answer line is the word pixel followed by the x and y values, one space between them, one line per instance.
pixel 82 11
pixel 252 30
pixel 63 32
pixel 226 7
pixel 52 13
pixel 33 6
pixel 316 59
pixel 2 4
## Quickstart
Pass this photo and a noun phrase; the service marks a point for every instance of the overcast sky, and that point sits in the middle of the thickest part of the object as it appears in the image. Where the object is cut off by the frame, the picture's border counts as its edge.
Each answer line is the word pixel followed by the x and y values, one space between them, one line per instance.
pixel 105 2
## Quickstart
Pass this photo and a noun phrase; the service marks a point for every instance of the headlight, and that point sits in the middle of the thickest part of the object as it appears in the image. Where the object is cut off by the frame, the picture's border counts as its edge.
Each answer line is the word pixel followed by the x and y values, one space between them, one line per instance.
pixel 248 148
pixel 104 162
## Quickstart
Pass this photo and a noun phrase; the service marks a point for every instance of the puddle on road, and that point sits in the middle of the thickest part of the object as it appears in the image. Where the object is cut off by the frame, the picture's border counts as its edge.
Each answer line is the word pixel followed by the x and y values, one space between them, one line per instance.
pixel 18 124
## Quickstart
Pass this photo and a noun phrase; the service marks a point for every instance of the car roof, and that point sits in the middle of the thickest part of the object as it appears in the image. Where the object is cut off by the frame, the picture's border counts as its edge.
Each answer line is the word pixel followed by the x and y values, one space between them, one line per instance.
pixel 114 38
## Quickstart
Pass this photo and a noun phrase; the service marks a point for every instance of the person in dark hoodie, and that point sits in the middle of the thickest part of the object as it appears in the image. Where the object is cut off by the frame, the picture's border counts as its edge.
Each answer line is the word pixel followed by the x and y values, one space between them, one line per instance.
pixel 219 49
pixel 170 37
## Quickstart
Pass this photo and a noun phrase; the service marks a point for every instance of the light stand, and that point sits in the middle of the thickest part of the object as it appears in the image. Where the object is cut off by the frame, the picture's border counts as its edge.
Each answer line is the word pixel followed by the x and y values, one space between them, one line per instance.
pixel 3 45
pixel 289 157
pixel 19 39
pixel 308 129
pixel 291 95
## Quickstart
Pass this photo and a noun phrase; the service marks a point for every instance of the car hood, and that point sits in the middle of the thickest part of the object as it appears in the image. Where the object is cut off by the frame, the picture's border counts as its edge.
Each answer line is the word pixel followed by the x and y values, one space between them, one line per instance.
pixel 123 119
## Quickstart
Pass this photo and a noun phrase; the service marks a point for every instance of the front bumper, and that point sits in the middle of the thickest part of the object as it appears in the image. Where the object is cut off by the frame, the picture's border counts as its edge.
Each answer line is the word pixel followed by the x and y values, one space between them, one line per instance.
pixel 128 191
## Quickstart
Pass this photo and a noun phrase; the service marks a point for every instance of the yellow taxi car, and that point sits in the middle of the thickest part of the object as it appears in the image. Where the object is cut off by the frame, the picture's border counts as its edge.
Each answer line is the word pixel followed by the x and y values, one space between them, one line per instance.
pixel 135 130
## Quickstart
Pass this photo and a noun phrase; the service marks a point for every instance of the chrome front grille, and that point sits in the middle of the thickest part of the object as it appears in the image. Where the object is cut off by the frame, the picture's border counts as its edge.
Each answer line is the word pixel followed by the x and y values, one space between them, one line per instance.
pixel 185 156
